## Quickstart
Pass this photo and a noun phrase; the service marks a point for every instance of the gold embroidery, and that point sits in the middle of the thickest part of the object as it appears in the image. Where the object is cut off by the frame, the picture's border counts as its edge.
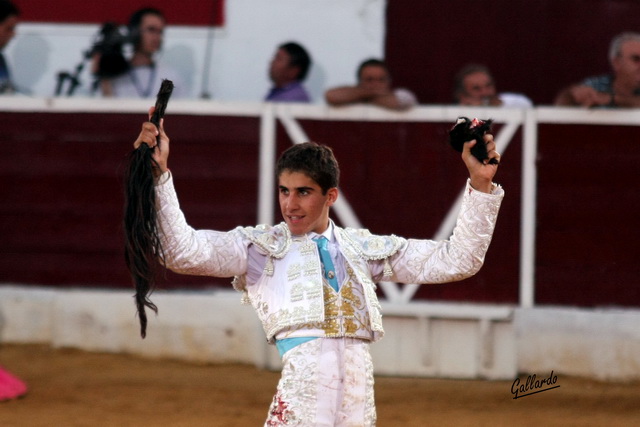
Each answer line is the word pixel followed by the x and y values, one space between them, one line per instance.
pixel 345 312
pixel 350 327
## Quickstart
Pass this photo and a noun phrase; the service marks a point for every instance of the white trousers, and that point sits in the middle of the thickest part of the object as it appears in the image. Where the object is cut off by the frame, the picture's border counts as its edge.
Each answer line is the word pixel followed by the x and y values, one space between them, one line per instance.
pixel 325 382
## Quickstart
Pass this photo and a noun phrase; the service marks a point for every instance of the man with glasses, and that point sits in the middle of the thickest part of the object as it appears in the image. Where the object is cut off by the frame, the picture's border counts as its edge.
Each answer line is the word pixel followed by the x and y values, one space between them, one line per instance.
pixel 621 88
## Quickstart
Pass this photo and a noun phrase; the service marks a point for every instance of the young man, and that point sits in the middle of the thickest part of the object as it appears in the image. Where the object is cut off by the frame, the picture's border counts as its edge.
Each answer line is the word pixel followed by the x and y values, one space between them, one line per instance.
pixel 143 75
pixel 287 70
pixel 312 283
pixel 373 87
pixel 474 85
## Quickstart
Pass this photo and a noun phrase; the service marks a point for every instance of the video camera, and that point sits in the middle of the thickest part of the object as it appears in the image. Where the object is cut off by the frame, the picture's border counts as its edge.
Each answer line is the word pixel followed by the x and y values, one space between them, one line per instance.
pixel 107 50
pixel 109 45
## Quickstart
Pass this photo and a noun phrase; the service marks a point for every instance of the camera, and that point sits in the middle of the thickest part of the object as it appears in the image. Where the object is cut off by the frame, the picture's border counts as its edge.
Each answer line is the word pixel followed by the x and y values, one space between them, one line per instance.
pixel 109 47
pixel 107 57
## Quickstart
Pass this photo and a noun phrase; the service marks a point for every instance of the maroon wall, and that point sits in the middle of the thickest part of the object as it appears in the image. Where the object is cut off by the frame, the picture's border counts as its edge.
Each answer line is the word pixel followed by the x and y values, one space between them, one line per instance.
pixel 62 193
pixel 62 198
pixel 587 226
pixel 185 12
pixel 535 47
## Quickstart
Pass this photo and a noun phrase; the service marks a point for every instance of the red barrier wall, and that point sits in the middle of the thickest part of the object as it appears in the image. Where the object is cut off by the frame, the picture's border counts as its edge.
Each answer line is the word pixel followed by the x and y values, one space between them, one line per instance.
pixel 62 194
pixel 62 198
pixel 588 203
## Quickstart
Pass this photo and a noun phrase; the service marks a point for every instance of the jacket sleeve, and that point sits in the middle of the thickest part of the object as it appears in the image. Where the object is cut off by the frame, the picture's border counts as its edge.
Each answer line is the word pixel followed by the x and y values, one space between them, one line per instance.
pixel 459 257
pixel 195 252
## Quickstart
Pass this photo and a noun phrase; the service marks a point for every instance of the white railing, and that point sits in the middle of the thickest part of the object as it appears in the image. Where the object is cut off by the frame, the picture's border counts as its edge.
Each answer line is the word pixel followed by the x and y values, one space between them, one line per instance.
pixel 289 114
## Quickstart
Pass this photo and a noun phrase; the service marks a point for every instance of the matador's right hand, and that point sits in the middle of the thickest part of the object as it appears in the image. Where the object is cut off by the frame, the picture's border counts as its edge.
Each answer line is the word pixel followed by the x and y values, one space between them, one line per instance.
pixel 156 139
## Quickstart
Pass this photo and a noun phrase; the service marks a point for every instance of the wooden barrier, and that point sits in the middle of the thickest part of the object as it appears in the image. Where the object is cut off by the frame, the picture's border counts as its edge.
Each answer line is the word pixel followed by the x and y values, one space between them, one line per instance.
pixel 61 192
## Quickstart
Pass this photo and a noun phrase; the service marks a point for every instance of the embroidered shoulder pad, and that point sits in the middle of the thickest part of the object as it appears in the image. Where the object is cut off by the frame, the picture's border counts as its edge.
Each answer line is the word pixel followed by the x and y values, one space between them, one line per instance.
pixel 370 246
pixel 274 241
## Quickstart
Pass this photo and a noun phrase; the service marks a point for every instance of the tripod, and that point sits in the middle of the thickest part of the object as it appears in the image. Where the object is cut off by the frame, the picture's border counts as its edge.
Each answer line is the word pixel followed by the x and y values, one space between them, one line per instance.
pixel 73 80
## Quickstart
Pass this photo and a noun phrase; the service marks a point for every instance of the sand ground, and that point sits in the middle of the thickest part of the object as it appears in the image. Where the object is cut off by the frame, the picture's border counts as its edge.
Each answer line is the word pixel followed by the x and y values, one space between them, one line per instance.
pixel 74 388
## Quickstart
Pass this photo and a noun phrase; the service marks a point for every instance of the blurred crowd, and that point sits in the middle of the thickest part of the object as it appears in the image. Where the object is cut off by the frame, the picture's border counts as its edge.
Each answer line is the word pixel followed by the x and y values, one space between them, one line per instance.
pixel 137 74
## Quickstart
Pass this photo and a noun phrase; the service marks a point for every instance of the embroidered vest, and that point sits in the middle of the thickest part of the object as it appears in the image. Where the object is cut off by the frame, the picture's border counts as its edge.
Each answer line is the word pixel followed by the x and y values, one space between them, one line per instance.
pixel 290 294
pixel 345 314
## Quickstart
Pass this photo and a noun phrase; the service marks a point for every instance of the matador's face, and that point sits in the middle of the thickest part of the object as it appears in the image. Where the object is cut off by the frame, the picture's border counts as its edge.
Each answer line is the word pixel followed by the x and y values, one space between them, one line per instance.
pixel 303 206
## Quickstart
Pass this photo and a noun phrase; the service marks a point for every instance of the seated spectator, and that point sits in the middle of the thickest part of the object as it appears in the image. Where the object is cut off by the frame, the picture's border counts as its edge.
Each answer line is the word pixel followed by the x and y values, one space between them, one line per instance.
pixel 287 71
pixel 374 87
pixel 8 21
pixel 140 76
pixel 621 88
pixel 474 85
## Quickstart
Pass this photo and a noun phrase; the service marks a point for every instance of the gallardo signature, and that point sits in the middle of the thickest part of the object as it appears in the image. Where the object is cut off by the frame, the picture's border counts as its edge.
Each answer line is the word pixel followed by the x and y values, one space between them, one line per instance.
pixel 533 386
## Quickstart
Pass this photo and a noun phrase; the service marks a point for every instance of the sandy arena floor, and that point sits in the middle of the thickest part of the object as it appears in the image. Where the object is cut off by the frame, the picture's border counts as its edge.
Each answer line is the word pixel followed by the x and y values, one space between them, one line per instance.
pixel 73 388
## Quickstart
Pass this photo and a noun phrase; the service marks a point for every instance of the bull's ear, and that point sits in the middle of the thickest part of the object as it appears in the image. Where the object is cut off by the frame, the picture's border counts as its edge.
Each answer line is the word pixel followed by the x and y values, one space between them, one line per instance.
pixel 465 130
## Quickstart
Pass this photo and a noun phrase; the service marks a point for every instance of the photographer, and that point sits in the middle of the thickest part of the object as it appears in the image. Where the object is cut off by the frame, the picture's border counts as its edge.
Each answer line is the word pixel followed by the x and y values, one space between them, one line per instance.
pixel 140 76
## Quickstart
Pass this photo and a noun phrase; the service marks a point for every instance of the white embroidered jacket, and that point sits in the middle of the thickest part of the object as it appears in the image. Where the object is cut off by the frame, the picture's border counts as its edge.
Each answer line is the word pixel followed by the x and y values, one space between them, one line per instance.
pixel 289 291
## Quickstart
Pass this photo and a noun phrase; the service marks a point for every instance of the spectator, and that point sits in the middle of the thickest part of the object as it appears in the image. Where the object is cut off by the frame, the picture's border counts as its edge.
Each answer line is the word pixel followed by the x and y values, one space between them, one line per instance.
pixel 8 20
pixel 374 87
pixel 142 76
pixel 621 88
pixel 287 71
pixel 474 85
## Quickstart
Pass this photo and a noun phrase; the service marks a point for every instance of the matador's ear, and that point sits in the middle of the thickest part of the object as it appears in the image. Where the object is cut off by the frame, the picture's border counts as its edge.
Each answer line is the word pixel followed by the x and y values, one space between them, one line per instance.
pixel 333 194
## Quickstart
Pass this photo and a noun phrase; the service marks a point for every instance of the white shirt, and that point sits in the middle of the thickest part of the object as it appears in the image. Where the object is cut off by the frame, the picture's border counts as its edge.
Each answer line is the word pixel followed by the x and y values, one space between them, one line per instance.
pixel 405 97
pixel 145 81
pixel 515 100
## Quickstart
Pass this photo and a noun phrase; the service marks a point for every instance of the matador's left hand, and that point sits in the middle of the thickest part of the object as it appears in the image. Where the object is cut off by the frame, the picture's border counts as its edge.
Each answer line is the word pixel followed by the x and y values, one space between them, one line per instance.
pixel 481 173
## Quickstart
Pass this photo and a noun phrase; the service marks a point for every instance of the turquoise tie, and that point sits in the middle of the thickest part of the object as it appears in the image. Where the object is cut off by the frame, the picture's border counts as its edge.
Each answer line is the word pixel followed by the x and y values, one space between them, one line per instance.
pixel 329 271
